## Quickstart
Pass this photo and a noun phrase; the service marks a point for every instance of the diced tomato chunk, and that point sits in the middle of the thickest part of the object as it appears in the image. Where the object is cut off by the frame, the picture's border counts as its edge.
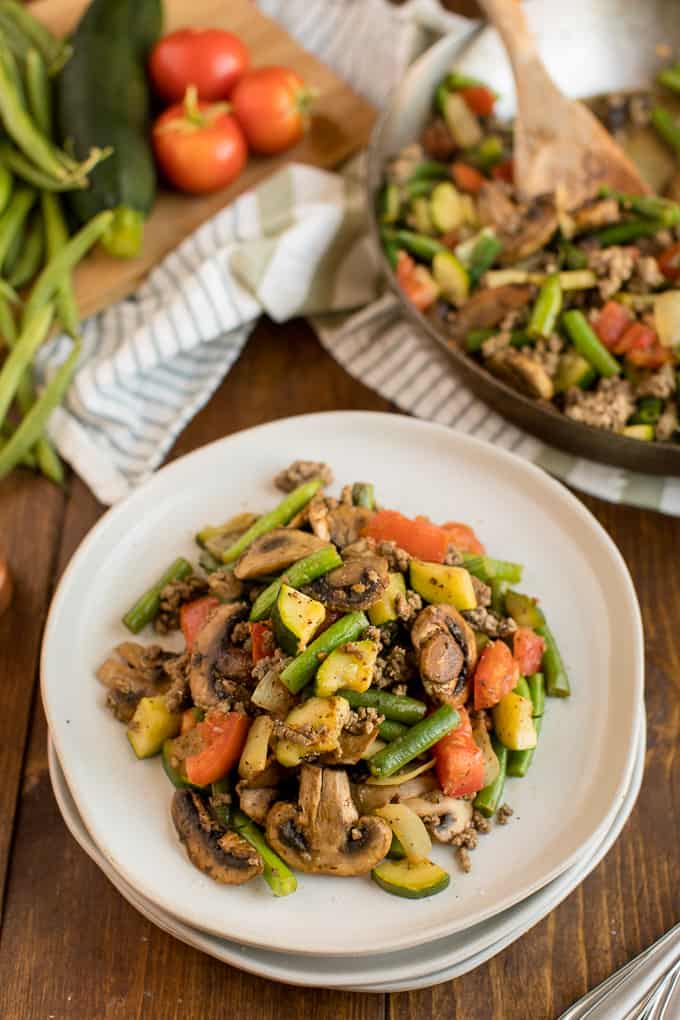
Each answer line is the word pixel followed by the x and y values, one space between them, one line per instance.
pixel 640 346
pixel 416 282
pixel 479 99
pixel 504 171
pixel 528 648
pixel 420 537
pixel 669 262
pixel 611 323
pixel 467 177
pixel 261 640
pixel 223 736
pixel 193 615
pixel 459 763
pixel 463 537
pixel 496 674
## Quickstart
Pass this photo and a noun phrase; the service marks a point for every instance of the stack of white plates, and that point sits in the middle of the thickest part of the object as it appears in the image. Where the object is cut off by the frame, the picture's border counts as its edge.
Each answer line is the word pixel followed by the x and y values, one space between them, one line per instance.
pixel 347 933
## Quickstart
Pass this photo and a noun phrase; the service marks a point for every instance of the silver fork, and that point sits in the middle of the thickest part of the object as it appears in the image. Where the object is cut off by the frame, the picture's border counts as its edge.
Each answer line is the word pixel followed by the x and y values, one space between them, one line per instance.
pixel 637 988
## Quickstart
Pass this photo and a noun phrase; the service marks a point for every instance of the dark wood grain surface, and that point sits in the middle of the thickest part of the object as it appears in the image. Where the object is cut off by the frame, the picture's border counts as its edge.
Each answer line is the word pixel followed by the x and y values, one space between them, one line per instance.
pixel 72 949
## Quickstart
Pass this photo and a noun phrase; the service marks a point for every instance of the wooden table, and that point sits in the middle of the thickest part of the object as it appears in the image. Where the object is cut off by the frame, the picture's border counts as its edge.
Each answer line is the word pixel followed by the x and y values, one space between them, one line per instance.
pixel 72 949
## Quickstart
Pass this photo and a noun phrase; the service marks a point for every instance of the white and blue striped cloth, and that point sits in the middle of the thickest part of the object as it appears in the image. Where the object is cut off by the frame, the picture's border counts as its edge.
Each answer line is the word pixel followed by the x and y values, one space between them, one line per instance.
pixel 294 246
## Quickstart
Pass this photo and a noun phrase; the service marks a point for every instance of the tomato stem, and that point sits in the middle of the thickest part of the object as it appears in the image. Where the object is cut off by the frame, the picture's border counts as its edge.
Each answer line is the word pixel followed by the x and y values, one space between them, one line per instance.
pixel 193 117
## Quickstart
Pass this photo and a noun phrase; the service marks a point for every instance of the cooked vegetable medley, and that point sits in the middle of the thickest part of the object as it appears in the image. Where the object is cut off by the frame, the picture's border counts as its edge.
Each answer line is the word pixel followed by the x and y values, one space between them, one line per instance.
pixel 353 684
pixel 576 307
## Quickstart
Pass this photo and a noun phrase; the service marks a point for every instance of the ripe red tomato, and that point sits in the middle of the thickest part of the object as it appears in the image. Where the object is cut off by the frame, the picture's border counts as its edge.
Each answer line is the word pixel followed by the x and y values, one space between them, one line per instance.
pixel 496 674
pixel 528 648
pixel 209 58
pixel 199 146
pixel 272 106
pixel 459 763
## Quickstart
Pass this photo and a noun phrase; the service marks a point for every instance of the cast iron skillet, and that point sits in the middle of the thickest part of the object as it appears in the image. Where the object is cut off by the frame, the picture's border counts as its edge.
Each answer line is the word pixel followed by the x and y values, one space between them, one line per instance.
pixel 402 122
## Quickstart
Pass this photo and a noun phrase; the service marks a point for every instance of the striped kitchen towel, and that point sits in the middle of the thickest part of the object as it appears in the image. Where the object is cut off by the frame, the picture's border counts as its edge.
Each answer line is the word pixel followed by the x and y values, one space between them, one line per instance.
pixel 294 246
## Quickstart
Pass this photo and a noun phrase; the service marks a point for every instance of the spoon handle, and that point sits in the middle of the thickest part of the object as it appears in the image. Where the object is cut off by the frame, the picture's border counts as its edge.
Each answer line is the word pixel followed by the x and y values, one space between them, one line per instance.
pixel 531 77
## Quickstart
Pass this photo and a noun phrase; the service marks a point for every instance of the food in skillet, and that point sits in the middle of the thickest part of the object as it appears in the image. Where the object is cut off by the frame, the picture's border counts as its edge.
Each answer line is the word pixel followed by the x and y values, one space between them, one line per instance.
pixel 353 684
pixel 579 308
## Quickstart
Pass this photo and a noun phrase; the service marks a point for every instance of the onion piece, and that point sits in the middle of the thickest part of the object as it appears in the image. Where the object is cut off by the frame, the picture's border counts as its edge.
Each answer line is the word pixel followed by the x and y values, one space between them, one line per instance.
pixel 409 829
pixel 400 777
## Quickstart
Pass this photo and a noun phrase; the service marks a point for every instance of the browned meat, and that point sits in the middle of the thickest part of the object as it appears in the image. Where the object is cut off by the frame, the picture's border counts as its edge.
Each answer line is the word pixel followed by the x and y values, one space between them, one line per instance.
pixel 133 672
pixel 301 471
pixel 522 371
pixel 173 596
pixel 537 225
pixel 437 140
pixel 488 308
pixel 225 585
pixel 178 696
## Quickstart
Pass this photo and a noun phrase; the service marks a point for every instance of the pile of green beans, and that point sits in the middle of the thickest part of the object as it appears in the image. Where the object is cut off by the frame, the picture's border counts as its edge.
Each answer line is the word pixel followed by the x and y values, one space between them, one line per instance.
pixel 36 252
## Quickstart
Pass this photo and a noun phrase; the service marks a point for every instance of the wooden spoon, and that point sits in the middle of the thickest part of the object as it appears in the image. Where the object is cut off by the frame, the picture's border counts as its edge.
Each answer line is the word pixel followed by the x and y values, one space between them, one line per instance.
pixel 559 144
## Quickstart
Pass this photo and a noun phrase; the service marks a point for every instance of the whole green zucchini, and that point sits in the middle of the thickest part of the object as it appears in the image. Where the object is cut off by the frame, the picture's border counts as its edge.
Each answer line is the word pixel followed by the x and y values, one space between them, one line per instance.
pixel 104 101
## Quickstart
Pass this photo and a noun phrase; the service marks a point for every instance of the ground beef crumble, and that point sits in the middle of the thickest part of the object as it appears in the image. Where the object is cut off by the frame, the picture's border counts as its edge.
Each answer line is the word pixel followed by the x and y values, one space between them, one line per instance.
pixel 407 606
pixel 490 623
pixel 397 667
pixel 225 586
pixel 177 696
pixel 363 720
pixel 607 407
pixel 301 471
pixel 613 266
pixel 658 384
pixel 173 596
pixel 667 424
pixel 504 814
pixel 482 592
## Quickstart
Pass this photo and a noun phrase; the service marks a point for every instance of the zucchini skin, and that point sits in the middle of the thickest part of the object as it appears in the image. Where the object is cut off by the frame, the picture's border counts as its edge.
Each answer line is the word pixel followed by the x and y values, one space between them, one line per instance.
pixel 103 100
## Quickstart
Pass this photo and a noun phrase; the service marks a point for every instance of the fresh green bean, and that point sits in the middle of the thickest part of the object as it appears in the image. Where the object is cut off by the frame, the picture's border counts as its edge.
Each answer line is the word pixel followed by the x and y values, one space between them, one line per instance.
pixel 390 730
pixel 546 309
pixel 395 707
pixel 8 329
pixel 486 569
pixel 54 50
pixel 666 125
pixel 522 688
pixel 12 219
pixel 300 671
pixel 27 460
pixel 670 77
pixel 21 355
pixel 536 686
pixel 363 494
pixel 56 236
pixel 488 799
pixel 276 874
pixel 556 679
pixel 392 252
pixel 302 572
pixel 651 206
pixel 65 259
pixel 276 518
pixel 421 188
pixel 38 91
pixel 31 256
pixel 476 337
pixel 628 230
pixel 49 461
pixel 430 170
pixel 22 167
pixel 519 761
pixel 31 427
pixel 419 739
pixel 14 250
pixel 588 345
pixel 146 607
pixel 483 256
pixel 420 245
pixel 6 184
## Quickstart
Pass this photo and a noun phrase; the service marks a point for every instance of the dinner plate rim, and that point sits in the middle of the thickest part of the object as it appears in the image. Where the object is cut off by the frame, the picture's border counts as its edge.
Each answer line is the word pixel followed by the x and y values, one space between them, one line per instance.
pixel 196 937
pixel 357 418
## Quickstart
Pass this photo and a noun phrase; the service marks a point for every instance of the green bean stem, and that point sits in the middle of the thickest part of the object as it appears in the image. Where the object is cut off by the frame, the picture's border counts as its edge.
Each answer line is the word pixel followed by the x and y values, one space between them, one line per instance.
pixel 420 738
pixel 276 518
pixel 276 874
pixel 588 344
pixel 147 606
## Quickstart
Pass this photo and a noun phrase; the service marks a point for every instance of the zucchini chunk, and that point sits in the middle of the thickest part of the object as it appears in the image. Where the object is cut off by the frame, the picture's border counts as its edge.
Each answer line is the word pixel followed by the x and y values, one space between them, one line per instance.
pixel 319 722
pixel 296 619
pixel 384 610
pixel 437 582
pixel 151 725
pixel 413 881
pixel 513 722
pixel 350 666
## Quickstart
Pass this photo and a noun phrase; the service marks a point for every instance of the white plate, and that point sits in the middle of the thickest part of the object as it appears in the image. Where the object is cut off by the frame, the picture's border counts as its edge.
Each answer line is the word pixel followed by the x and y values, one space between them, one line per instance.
pixel 585 757
pixel 408 969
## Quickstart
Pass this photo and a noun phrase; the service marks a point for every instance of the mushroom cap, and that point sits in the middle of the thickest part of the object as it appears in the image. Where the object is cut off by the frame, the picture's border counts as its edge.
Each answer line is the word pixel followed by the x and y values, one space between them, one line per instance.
pixel 523 372
pixel 223 855
pixel 323 833
pixel 447 652
pixel 357 584
pixel 276 550
pixel 213 655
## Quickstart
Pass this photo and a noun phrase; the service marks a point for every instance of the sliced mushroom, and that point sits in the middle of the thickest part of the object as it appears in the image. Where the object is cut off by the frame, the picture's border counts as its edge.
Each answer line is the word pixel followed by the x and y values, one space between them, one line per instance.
pixel 357 584
pixel 214 658
pixel 223 855
pixel 273 552
pixel 368 798
pixel 446 816
pixel 346 523
pixel 447 652
pixel 487 307
pixel 523 372
pixel 256 802
pixel 323 833
pixel 538 223
pixel 131 673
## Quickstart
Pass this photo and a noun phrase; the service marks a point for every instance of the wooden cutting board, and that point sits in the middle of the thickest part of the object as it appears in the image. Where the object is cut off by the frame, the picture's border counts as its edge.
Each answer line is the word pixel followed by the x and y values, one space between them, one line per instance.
pixel 341 125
